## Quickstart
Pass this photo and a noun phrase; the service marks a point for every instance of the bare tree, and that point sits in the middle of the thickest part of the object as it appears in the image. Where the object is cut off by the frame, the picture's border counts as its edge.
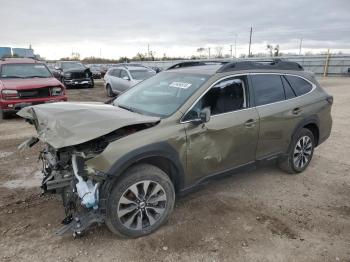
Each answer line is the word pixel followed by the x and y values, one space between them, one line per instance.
pixel 273 50
pixel 218 51
pixel 201 51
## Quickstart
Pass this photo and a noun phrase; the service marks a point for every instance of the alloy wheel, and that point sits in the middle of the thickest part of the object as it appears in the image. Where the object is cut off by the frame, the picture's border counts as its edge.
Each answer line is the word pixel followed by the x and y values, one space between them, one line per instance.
pixel 142 205
pixel 302 152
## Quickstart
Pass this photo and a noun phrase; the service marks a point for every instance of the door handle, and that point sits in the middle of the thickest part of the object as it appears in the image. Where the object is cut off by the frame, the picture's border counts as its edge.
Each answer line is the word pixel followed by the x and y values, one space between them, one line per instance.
pixel 250 123
pixel 297 111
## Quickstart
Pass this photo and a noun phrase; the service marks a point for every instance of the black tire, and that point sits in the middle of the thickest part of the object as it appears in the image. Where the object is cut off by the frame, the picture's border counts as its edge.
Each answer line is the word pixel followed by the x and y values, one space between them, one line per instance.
pixel 136 176
pixel 290 163
pixel 109 91
pixel 3 115
pixel 92 83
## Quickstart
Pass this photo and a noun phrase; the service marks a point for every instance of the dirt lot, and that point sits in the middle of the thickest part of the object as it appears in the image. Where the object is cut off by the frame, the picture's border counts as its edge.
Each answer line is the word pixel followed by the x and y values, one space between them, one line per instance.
pixel 261 215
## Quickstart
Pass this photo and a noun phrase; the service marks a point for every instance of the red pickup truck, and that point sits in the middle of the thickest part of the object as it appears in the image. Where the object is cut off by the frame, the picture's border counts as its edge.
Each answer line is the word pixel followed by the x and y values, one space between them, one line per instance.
pixel 25 82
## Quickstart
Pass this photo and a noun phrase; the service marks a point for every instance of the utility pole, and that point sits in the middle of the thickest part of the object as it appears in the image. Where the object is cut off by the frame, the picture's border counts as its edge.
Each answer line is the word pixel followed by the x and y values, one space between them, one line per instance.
pixel 147 50
pixel 235 45
pixel 231 51
pixel 250 41
pixel 208 52
pixel 301 42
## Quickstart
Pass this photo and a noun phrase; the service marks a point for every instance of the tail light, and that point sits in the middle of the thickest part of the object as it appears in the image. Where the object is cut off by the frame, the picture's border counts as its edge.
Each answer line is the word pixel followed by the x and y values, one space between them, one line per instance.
pixel 9 94
pixel 330 100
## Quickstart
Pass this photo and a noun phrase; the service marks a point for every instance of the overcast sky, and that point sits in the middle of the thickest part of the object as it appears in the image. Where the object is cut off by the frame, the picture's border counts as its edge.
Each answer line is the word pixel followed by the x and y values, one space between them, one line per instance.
pixel 176 28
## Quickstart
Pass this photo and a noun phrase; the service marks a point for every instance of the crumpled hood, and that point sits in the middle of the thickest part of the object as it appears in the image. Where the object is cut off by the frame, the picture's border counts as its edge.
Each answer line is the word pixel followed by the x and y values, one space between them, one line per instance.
pixel 65 124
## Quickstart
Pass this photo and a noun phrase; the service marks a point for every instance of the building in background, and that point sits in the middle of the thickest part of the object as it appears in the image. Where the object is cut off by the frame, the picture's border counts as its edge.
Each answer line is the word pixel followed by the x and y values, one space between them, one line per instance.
pixel 5 52
pixel 18 52
pixel 23 52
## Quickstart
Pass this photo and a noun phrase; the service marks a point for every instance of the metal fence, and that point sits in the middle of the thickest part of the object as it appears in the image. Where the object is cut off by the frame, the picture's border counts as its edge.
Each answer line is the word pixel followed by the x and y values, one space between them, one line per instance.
pixel 337 65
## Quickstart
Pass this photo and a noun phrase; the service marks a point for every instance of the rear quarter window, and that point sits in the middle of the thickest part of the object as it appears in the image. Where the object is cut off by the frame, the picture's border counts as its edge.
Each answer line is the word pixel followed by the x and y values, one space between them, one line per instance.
pixel 299 85
pixel 267 89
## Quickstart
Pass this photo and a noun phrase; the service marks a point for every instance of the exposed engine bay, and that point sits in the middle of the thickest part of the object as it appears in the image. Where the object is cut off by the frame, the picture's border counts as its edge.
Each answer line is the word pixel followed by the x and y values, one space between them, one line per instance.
pixel 81 188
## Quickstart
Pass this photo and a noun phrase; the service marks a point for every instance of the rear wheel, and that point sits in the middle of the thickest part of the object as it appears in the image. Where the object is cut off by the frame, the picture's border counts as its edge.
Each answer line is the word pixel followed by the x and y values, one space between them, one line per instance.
pixel 109 91
pixel 140 202
pixel 300 153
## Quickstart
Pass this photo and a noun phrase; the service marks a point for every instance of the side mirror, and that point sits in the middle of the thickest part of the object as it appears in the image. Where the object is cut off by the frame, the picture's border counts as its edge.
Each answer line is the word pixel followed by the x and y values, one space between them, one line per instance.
pixel 204 115
pixel 58 68
pixel 126 78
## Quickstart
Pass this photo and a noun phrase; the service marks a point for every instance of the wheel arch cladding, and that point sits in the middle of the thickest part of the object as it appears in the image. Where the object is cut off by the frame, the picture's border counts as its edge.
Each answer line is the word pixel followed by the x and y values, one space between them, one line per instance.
pixel 311 123
pixel 161 155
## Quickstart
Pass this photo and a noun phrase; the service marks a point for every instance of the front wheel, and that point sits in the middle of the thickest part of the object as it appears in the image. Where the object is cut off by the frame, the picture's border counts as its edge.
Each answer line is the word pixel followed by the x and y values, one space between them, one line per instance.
pixel 140 202
pixel 300 152
pixel 3 115
pixel 109 91
pixel 92 83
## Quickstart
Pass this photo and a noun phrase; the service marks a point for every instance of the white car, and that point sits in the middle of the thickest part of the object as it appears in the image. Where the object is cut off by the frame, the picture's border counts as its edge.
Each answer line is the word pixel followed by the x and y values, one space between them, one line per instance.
pixel 121 77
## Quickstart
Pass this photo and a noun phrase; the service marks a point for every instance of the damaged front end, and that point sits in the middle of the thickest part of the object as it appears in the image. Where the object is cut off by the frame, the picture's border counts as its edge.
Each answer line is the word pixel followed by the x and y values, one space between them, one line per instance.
pixel 66 174
pixel 82 188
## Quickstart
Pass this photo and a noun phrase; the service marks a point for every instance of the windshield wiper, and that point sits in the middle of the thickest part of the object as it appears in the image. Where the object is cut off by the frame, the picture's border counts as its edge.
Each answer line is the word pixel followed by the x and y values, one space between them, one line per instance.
pixel 127 108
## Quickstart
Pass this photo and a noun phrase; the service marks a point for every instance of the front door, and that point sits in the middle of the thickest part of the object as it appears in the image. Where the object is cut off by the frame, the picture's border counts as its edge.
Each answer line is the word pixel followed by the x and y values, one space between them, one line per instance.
pixel 230 137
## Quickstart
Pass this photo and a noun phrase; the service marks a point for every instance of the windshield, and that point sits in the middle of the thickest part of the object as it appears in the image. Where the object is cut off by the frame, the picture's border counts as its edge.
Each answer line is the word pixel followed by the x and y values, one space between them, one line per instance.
pixel 141 74
pixel 72 65
pixel 24 71
pixel 162 94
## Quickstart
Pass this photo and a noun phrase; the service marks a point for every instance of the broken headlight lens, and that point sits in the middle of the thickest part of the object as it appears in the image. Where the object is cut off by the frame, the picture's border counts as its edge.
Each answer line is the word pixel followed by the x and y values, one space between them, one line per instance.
pixel 56 91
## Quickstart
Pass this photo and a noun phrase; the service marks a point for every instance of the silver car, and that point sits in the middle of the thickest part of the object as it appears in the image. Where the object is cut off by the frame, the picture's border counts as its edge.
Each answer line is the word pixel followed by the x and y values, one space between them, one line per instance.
pixel 120 78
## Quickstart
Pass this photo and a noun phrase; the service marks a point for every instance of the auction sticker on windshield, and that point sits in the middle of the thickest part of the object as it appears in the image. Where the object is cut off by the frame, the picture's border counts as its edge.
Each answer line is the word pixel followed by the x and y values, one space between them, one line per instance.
pixel 180 85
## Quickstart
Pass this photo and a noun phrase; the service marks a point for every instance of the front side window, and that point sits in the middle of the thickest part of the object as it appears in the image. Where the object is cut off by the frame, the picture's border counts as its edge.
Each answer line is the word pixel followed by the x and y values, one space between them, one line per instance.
pixel 25 71
pixel 226 96
pixel 162 94
pixel 299 85
pixel 267 89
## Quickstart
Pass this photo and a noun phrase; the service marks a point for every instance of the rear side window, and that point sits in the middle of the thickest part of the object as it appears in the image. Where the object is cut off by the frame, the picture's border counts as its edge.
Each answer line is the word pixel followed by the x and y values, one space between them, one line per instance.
pixel 299 85
pixel 115 72
pixel 288 89
pixel 267 89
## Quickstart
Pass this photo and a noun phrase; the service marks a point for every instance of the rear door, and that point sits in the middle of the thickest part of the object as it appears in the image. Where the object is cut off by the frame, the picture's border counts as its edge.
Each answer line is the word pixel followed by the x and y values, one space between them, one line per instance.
pixel 114 79
pixel 279 113
pixel 124 81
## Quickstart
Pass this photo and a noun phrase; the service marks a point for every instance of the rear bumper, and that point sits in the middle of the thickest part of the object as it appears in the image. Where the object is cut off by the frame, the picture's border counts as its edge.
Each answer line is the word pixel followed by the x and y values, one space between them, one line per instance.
pixel 18 104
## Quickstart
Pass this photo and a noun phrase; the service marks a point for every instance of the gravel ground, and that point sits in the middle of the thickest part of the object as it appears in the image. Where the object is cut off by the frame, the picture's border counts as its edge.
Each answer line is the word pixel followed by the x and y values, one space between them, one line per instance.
pixel 259 215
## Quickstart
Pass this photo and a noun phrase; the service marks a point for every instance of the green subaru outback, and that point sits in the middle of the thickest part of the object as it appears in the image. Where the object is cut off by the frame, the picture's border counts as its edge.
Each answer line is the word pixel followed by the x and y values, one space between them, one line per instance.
pixel 123 163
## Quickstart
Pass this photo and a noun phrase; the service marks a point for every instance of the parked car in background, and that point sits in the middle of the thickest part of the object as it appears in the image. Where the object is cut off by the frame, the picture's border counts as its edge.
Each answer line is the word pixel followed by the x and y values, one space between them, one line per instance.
pixel 124 162
pixel 25 82
pixel 96 71
pixel 157 69
pixel 73 74
pixel 120 78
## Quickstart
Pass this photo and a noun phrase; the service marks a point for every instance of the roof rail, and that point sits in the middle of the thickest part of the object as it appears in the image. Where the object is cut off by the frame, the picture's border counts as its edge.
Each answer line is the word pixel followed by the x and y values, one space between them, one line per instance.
pixel 276 64
pixel 195 63
pixel 132 64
